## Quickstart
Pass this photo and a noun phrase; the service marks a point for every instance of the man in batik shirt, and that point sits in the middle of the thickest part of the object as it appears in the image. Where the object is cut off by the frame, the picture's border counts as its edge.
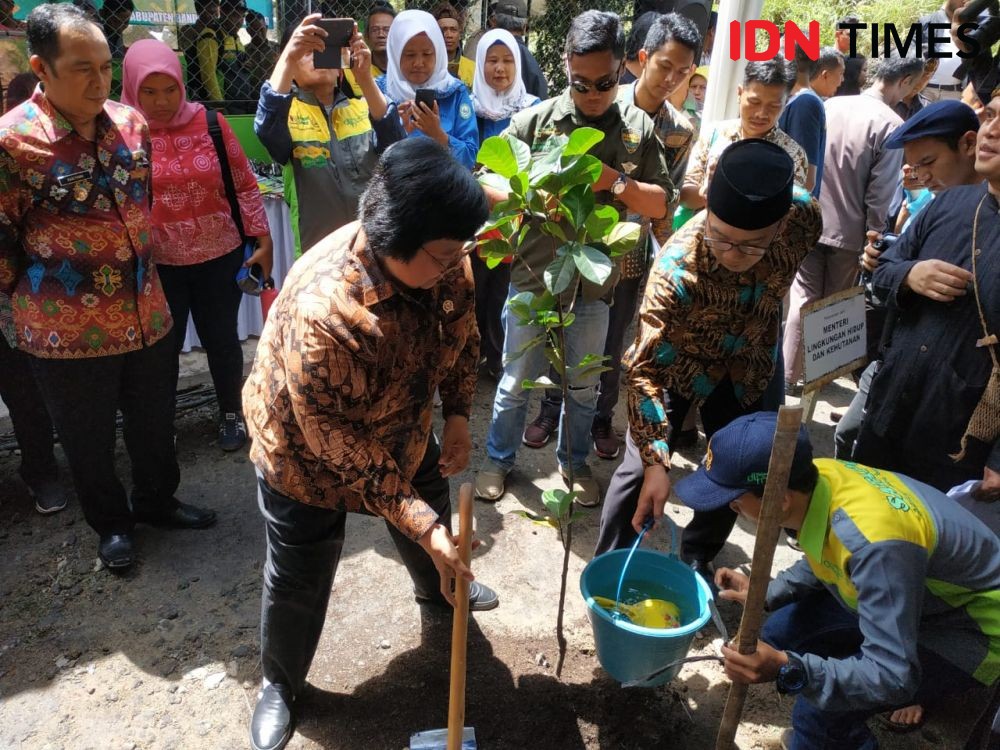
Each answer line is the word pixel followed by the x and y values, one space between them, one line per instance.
pixel 708 329
pixel 79 291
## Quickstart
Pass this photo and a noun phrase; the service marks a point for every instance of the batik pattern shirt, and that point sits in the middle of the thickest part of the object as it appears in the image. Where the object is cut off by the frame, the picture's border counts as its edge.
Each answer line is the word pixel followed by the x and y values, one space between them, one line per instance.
pixel 77 273
pixel 700 323
pixel 340 397
pixel 713 142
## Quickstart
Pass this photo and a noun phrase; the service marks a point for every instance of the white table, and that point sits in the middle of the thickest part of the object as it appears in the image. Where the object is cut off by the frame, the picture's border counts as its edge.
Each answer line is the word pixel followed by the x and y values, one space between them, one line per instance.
pixel 251 322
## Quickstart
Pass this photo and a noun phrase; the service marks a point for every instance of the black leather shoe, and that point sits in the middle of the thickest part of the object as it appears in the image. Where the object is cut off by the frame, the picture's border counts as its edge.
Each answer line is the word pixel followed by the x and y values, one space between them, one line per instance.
pixel 706 570
pixel 115 551
pixel 273 720
pixel 184 516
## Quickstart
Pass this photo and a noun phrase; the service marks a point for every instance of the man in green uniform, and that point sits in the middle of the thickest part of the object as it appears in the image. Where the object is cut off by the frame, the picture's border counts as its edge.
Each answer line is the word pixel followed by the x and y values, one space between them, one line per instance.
pixel 635 180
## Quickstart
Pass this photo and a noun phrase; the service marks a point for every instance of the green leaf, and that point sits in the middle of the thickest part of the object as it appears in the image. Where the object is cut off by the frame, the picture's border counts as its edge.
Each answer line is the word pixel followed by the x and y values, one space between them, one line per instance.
pixel 592 359
pixel 519 183
pixel 523 233
pixel 559 274
pixel 495 181
pixel 499 221
pixel 548 161
pixel 601 221
pixel 536 519
pixel 553 229
pixel 543 301
pixel 622 238
pixel 582 140
pixel 578 202
pixel 497 155
pixel 520 306
pixel 581 170
pixel 550 319
pixel 554 357
pixel 594 265
pixel 522 153
pixel 494 249
pixel 558 501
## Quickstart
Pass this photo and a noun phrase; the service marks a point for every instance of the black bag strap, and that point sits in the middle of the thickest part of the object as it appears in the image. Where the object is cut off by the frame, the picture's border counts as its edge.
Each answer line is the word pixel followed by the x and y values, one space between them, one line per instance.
pixel 215 131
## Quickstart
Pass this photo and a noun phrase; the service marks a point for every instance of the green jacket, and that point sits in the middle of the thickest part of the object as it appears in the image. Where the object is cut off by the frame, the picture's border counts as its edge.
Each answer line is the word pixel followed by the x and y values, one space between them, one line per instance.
pixel 630 145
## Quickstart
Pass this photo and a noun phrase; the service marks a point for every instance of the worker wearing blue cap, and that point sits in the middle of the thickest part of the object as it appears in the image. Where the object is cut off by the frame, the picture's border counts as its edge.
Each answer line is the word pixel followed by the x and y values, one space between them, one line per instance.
pixel 895 598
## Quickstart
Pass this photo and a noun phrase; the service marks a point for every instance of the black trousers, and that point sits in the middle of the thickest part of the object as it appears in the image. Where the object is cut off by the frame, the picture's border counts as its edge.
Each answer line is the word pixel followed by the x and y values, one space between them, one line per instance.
pixel 708 530
pixel 304 543
pixel 208 292
pixel 627 296
pixel 83 396
pixel 491 295
pixel 32 425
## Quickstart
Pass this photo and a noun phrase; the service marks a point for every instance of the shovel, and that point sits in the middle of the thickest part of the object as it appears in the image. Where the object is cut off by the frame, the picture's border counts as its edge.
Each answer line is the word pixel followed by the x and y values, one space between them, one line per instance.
pixel 457 736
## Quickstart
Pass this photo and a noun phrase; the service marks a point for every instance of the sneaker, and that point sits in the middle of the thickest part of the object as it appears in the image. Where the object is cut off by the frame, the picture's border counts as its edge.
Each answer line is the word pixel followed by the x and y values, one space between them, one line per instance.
pixel 607 444
pixel 49 497
pixel 540 432
pixel 587 488
pixel 232 431
pixel 490 480
pixel 481 598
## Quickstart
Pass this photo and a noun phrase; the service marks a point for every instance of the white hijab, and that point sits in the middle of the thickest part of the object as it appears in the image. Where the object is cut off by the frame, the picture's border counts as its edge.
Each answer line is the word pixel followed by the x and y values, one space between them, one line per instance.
pixel 489 103
pixel 407 25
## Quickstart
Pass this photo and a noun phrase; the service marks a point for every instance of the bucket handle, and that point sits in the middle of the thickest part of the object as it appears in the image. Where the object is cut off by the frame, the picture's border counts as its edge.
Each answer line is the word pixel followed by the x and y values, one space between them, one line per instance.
pixel 646 527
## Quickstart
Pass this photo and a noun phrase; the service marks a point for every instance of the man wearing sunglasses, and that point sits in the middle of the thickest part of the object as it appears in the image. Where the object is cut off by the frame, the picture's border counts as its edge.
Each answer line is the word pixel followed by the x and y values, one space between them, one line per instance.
pixel 708 330
pixel 635 180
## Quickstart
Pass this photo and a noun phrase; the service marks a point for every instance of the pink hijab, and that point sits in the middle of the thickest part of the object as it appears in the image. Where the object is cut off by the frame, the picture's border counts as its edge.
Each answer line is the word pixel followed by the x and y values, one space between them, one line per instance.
pixel 144 58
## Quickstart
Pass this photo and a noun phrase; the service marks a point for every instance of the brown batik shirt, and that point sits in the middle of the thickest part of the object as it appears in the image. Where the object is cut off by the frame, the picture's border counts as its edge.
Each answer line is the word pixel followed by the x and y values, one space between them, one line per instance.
pixel 700 323
pixel 345 429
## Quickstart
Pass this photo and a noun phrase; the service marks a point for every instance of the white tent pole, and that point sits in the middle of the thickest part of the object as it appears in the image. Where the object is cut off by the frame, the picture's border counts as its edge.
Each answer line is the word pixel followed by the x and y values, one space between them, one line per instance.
pixel 724 75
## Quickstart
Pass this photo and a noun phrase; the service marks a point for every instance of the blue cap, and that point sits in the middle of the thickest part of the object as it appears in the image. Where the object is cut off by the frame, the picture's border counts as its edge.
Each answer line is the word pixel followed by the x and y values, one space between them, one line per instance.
pixel 737 461
pixel 945 118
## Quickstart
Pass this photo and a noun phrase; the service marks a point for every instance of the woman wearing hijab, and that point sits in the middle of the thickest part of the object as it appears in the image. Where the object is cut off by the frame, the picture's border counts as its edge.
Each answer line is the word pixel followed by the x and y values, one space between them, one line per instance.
pixel 498 90
pixel 498 93
pixel 418 60
pixel 199 247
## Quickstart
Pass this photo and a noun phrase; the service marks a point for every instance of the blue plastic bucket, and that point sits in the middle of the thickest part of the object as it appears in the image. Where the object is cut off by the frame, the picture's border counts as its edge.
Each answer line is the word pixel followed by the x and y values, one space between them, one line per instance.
pixel 629 652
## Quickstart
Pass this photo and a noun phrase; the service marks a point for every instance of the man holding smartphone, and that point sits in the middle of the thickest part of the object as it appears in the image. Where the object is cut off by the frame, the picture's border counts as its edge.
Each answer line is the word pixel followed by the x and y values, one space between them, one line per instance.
pixel 329 140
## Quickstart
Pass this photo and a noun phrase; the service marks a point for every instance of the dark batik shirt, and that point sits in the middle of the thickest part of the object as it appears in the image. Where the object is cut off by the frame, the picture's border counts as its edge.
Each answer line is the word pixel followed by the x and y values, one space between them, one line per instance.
pixel 700 323
pixel 348 429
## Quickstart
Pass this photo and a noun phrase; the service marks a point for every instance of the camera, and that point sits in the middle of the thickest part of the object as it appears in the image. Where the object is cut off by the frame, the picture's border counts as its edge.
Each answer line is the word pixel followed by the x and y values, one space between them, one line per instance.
pixel 888 240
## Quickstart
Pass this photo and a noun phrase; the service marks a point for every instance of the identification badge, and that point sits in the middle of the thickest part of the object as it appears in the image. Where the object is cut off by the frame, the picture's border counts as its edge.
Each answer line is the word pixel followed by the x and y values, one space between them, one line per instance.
pixel 73 178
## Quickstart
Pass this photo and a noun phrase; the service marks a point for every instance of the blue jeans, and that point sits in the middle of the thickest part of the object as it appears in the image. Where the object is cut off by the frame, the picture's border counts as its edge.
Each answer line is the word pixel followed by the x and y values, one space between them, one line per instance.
pixel 585 336
pixel 819 625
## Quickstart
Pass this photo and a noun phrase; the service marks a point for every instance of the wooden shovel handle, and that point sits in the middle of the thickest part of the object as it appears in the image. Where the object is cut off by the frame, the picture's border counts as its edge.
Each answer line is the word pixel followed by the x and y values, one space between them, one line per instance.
pixel 768 529
pixel 460 624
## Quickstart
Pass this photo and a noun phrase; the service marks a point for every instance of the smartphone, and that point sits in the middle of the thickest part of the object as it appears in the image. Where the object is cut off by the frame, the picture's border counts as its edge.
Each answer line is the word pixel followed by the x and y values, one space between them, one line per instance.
pixel 338 42
pixel 250 279
pixel 426 96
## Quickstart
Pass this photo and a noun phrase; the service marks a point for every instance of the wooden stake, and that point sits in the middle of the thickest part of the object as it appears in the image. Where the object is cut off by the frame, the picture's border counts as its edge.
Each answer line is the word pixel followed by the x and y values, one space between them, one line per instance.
pixel 768 529
pixel 460 624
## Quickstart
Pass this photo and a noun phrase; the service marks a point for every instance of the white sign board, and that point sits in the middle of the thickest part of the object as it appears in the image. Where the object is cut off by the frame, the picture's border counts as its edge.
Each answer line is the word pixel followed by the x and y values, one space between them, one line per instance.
pixel 833 337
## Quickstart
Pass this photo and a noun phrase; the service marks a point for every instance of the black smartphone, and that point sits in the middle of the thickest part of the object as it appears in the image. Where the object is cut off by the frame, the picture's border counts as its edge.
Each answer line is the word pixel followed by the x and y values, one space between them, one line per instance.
pixel 426 96
pixel 338 38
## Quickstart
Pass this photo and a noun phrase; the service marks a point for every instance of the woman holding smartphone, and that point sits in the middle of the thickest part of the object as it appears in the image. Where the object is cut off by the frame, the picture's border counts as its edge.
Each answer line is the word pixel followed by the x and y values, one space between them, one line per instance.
pixel 432 103
pixel 199 247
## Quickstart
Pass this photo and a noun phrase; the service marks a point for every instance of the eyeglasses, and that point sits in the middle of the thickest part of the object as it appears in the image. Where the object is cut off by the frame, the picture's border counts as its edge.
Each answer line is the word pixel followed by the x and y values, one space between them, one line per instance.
pixel 447 265
pixel 724 246
pixel 602 86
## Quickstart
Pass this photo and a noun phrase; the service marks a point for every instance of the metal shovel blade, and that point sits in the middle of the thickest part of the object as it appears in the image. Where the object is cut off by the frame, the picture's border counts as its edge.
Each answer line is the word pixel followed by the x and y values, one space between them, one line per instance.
pixel 437 739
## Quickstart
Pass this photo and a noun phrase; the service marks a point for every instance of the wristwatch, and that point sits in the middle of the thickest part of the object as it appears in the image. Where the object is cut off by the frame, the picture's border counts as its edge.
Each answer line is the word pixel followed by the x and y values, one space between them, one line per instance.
pixel 791 677
pixel 618 186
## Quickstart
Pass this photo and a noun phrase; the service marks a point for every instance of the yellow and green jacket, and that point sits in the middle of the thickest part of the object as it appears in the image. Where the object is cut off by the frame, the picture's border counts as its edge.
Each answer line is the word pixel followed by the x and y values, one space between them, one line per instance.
pixel 328 154
pixel 915 566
